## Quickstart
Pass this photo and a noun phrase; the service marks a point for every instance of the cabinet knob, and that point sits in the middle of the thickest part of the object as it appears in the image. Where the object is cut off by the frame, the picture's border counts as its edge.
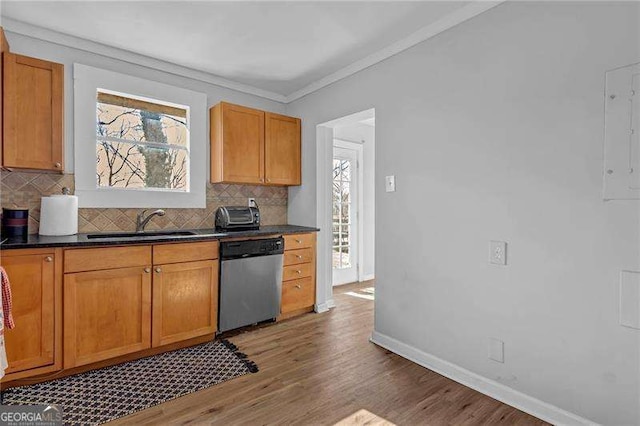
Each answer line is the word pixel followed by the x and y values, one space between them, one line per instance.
pixel 158 270
pixel 298 241
pixel 298 256
pixel 147 270
pixel 48 259
pixel 298 286
pixel 57 165
pixel 268 180
pixel 298 272
pixel 261 179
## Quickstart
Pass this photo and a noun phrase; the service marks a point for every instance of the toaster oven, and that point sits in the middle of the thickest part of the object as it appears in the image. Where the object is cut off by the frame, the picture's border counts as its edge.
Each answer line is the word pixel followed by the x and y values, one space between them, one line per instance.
pixel 237 218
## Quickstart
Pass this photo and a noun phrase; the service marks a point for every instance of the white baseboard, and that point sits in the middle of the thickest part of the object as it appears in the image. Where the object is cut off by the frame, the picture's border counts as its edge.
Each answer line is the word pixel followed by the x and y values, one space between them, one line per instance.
pixel 528 404
pixel 324 307
pixel 367 277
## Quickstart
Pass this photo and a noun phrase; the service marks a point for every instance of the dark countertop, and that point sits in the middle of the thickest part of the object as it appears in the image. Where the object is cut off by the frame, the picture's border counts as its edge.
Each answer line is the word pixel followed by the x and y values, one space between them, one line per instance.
pixel 81 240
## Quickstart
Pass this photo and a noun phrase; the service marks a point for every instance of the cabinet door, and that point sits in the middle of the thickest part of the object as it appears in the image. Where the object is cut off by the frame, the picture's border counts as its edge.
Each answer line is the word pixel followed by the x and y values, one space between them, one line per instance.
pixel 106 314
pixel 33 110
pixel 298 294
pixel 239 145
pixel 282 150
pixel 4 47
pixel 31 343
pixel 185 301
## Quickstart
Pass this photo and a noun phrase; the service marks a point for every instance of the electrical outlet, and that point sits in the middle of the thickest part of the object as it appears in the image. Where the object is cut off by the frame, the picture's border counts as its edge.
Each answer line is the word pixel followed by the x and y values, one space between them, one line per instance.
pixel 496 350
pixel 252 202
pixel 498 252
pixel 390 183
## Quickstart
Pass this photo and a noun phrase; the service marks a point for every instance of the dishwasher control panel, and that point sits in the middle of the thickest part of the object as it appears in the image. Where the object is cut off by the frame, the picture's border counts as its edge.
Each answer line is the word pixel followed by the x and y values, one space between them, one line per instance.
pixel 249 248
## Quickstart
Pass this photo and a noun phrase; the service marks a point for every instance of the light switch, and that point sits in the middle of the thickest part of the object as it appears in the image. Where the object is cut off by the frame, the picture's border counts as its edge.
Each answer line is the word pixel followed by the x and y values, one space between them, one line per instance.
pixel 498 252
pixel 630 299
pixel 496 350
pixel 390 183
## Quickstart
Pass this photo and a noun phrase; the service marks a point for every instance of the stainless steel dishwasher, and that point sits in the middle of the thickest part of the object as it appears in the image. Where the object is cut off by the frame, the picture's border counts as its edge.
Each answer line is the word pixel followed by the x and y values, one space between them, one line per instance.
pixel 250 281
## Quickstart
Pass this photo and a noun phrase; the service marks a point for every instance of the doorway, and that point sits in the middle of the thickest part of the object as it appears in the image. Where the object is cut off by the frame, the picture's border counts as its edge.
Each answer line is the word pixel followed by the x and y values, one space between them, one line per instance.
pixel 346 212
pixel 346 240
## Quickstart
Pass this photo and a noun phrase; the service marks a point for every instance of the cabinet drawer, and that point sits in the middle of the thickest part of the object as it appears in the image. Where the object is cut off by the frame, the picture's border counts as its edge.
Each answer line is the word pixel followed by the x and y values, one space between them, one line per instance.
pixel 298 241
pixel 100 258
pixel 185 252
pixel 294 257
pixel 292 272
pixel 298 294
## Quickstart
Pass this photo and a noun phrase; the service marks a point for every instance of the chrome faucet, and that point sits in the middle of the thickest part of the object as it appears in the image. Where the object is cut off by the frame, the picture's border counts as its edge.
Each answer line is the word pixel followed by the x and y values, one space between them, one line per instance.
pixel 141 220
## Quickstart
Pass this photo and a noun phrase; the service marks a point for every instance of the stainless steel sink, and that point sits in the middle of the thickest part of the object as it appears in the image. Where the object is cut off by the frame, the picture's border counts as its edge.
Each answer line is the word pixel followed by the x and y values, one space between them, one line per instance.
pixel 140 234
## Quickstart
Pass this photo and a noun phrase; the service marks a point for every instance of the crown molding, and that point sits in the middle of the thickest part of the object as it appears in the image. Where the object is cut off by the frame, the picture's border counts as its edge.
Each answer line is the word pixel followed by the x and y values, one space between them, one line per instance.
pixel 40 33
pixel 451 20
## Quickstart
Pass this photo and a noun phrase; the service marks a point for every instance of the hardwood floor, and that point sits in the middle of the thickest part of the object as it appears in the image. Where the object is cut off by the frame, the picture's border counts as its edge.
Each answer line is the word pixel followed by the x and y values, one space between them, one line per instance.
pixel 321 369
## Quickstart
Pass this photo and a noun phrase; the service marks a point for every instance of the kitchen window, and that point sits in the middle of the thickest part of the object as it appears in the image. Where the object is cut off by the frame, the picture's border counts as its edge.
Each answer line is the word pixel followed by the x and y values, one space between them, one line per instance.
pixel 141 144
pixel 138 143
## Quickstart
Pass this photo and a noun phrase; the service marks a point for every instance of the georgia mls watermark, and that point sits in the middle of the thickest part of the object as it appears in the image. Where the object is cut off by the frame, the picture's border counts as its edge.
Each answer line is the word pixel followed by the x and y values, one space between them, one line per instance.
pixel 30 415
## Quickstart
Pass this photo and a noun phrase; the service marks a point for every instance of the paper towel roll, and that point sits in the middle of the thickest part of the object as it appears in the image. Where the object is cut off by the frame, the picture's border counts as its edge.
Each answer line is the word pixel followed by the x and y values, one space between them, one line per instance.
pixel 59 215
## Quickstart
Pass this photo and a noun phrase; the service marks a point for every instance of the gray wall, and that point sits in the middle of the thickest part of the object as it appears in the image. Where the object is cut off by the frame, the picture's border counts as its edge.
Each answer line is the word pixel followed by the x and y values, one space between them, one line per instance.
pixel 494 130
pixel 68 56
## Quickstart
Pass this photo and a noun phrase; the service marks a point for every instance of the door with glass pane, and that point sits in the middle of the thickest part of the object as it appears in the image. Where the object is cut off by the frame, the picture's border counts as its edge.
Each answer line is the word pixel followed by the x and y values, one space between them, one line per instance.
pixel 344 217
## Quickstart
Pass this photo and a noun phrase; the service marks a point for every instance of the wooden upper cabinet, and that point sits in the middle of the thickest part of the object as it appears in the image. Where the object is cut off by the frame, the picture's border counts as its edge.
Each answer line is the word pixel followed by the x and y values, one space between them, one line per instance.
pixel 32 113
pixel 35 342
pixel 237 144
pixel 254 147
pixel 282 149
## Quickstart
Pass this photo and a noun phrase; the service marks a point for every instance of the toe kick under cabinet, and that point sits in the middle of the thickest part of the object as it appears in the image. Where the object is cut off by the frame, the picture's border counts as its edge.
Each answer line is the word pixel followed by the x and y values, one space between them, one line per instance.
pixel 121 300
pixel 298 275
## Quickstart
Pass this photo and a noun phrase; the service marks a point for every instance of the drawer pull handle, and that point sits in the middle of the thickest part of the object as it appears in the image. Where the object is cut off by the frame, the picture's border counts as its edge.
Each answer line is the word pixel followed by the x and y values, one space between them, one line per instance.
pixel 298 286
pixel 158 270
pixel 147 270
pixel 48 259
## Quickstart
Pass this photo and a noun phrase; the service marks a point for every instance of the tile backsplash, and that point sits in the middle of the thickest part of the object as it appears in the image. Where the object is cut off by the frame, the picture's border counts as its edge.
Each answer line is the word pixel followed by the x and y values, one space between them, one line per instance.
pixel 24 189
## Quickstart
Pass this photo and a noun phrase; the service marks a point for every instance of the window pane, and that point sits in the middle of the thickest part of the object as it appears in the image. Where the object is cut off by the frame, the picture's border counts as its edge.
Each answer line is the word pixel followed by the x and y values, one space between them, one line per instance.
pixel 336 169
pixel 336 212
pixel 336 257
pixel 131 166
pixel 344 236
pixel 344 213
pixel 346 170
pixel 130 139
pixel 140 125
pixel 345 192
pixel 345 257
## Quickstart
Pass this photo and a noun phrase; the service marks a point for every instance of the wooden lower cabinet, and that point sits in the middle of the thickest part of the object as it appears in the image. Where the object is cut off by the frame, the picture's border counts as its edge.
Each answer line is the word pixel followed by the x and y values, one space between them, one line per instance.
pixel 298 294
pixel 106 314
pixel 185 301
pixel 299 274
pixel 34 345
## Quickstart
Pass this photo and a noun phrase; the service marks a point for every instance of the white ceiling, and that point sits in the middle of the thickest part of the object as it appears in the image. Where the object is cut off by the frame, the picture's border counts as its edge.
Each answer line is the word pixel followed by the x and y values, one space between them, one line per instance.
pixel 281 47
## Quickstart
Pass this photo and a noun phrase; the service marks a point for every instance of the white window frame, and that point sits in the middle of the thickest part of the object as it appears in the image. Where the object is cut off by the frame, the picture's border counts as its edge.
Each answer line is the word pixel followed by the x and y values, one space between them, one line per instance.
pixel 87 82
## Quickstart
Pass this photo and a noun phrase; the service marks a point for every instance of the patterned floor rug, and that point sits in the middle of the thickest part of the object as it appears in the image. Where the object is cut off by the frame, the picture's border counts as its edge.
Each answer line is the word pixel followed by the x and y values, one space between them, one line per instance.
pixel 98 396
